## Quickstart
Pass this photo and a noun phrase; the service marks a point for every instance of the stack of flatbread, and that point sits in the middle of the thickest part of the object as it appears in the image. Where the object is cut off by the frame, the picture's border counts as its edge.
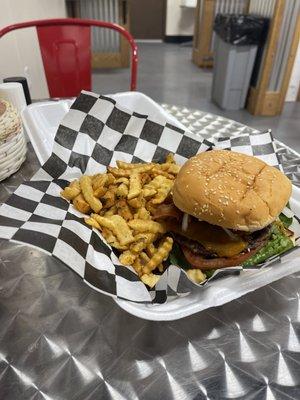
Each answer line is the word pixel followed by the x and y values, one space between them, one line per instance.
pixel 12 140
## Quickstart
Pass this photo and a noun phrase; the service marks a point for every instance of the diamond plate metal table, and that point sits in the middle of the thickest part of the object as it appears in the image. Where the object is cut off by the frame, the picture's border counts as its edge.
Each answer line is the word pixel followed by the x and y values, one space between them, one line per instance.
pixel 61 340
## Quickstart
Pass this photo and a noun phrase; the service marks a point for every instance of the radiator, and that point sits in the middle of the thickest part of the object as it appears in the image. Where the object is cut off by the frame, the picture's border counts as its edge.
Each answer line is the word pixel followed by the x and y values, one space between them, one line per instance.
pixel 103 40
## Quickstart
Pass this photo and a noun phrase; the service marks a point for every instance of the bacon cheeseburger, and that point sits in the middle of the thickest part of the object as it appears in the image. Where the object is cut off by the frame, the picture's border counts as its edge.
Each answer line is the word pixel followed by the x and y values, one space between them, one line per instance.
pixel 230 206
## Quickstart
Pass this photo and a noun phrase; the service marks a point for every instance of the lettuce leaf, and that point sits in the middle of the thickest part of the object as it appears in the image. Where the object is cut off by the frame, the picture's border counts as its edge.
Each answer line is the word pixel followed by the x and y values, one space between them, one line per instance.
pixel 286 220
pixel 176 257
pixel 277 244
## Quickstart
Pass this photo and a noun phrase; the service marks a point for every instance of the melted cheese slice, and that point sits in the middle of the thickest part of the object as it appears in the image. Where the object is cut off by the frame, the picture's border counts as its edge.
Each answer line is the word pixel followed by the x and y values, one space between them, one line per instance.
pixel 212 237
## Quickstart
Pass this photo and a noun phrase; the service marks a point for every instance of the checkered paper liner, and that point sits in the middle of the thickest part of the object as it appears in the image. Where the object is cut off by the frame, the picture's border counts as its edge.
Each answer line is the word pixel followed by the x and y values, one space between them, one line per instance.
pixel 94 134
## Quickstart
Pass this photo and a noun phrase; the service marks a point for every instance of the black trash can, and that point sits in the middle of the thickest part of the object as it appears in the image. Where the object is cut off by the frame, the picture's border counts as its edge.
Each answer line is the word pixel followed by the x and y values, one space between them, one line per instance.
pixel 237 40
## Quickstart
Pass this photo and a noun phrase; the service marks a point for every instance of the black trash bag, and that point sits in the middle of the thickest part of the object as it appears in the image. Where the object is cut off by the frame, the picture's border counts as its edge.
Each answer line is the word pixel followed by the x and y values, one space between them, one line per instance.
pixel 240 30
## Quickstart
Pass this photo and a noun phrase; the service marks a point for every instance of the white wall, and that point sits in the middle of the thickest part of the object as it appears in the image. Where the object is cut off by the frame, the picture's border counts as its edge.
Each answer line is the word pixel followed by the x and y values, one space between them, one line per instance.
pixel 179 20
pixel 294 84
pixel 19 50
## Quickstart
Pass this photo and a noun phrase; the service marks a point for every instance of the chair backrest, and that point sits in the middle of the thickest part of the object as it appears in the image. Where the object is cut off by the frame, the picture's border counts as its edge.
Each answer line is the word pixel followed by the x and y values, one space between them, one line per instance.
pixel 65 45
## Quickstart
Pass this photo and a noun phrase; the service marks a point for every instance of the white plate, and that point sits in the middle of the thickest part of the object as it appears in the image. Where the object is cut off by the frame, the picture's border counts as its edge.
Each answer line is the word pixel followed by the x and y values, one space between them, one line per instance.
pixel 41 119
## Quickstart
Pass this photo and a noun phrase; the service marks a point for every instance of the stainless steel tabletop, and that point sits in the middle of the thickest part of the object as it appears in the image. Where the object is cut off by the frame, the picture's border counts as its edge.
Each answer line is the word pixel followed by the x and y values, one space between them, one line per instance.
pixel 59 339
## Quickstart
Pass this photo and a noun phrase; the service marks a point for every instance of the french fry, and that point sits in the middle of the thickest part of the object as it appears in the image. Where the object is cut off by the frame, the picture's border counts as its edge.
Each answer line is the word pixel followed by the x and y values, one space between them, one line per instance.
pixel 100 191
pixel 196 275
pixel 118 226
pixel 138 266
pixel 92 222
pixel 155 183
pixel 141 225
pixel 142 168
pixel 108 199
pixel 167 167
pixel 81 205
pixel 95 176
pixel 174 169
pixel 128 257
pixel 141 241
pixel 112 240
pixel 151 249
pixel 88 194
pixel 162 192
pixel 71 191
pixel 135 186
pixel 123 180
pixel 142 213
pixel 111 211
pixel 138 202
pixel 119 173
pixel 126 165
pixel 149 192
pixel 99 180
pixel 160 255
pixel 122 190
pixel 110 179
pixel 157 171
pixel 124 210
pixel 170 159
pixel 118 246
pixel 108 235
pixel 139 167
pixel 150 279
pixel 144 258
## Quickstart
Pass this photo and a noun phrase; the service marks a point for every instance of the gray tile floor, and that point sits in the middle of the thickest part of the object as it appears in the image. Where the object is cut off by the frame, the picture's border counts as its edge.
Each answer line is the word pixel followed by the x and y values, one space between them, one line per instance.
pixel 167 74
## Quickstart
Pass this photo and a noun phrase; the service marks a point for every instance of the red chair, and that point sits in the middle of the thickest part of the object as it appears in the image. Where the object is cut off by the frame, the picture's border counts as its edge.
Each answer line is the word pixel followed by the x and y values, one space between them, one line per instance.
pixel 65 45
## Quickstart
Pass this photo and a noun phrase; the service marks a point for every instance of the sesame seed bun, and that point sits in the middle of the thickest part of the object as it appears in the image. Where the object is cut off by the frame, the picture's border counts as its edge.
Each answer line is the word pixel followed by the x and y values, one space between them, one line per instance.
pixel 231 190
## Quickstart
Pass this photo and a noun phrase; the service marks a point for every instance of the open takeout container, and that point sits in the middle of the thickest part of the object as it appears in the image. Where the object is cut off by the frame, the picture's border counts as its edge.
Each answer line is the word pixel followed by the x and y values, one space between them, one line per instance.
pixel 94 133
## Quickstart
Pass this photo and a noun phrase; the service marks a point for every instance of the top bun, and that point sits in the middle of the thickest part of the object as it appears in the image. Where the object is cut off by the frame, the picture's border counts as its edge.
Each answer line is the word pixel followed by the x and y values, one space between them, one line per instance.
pixel 231 190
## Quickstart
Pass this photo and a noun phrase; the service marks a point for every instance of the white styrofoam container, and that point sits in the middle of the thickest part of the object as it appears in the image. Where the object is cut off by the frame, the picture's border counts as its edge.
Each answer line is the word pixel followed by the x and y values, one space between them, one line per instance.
pixel 41 121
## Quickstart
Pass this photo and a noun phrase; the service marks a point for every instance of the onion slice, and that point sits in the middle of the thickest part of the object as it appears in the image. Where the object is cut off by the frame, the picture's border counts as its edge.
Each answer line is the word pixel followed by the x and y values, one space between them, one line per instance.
pixel 231 235
pixel 185 222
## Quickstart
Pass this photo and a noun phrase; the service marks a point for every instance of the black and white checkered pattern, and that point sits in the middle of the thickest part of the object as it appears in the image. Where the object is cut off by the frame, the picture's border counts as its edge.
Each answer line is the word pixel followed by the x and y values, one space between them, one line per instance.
pixel 94 134
pixel 260 145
